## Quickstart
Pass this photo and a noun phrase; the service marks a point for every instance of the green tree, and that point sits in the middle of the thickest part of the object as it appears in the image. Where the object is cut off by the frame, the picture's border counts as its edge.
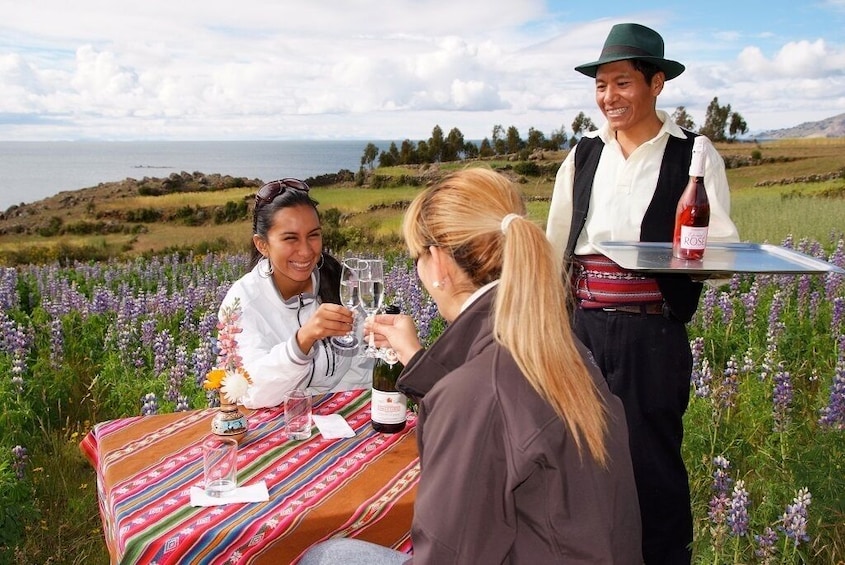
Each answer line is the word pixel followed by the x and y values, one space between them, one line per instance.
pixel 453 148
pixel 424 154
pixel 737 126
pixel 498 140
pixel 557 139
pixel 682 118
pixel 514 142
pixel 486 149
pixel 390 157
pixel 582 124
pixel 369 156
pixel 720 118
pixel 715 120
pixel 436 145
pixel 471 150
pixel 536 139
pixel 408 154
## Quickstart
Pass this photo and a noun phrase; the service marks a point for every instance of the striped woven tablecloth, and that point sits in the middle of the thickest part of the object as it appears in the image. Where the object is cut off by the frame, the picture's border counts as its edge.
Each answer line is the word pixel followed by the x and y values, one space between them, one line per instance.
pixel 359 487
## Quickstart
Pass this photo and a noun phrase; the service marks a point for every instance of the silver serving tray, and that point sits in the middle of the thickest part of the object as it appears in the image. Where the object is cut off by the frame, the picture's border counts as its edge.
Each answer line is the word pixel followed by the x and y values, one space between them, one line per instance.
pixel 719 259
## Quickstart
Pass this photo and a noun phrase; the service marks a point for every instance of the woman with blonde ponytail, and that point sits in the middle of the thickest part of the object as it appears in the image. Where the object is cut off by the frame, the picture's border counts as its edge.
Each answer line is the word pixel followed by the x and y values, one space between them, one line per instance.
pixel 523 450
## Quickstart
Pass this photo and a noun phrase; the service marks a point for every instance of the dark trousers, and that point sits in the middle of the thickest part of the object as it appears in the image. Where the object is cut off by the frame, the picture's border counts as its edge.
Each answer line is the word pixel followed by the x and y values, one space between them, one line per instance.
pixel 647 362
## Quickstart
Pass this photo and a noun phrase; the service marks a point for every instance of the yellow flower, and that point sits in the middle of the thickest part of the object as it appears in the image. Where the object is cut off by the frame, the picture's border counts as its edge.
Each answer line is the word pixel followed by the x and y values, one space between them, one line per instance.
pixel 214 379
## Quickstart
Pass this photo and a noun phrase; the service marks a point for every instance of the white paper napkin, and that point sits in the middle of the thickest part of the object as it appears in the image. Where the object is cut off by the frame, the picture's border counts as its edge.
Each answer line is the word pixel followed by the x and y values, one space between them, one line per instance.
pixel 333 426
pixel 252 493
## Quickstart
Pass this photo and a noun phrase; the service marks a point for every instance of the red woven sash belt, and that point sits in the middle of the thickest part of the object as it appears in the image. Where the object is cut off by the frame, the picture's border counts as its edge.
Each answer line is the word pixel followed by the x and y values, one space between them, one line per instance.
pixel 600 283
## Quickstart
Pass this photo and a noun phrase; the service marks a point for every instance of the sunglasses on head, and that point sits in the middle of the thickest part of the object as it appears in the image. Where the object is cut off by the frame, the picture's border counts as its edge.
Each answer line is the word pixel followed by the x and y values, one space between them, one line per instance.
pixel 272 189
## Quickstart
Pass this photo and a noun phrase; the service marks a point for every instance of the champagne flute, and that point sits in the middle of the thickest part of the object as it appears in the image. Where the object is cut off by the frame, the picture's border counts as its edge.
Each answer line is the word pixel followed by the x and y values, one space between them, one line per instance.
pixel 349 297
pixel 371 293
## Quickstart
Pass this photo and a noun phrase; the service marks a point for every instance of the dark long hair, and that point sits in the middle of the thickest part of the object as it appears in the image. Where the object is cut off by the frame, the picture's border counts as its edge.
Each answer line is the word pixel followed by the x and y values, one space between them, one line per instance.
pixel 262 220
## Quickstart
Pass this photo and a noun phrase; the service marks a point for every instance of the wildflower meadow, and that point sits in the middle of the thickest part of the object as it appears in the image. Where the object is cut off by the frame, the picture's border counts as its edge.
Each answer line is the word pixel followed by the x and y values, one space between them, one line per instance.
pixel 84 343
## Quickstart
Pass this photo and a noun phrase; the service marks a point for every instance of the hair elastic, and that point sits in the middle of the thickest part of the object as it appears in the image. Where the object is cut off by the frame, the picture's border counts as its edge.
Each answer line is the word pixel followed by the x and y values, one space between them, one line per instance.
pixel 506 221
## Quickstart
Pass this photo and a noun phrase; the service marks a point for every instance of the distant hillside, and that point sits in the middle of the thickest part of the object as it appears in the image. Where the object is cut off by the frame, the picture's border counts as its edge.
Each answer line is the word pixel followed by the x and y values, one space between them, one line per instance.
pixel 830 127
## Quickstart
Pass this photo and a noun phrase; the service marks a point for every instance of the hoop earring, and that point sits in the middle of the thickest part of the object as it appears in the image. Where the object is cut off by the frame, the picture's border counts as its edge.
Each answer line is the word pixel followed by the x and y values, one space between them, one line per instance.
pixel 265 272
pixel 322 260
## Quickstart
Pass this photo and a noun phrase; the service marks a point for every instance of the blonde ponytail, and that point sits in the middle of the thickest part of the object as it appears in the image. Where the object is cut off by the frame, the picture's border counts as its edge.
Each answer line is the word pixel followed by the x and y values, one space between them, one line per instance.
pixel 478 215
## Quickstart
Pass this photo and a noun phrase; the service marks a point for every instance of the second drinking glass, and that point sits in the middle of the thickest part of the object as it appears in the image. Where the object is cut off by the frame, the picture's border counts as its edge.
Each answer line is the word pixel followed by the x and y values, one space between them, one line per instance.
pixel 371 288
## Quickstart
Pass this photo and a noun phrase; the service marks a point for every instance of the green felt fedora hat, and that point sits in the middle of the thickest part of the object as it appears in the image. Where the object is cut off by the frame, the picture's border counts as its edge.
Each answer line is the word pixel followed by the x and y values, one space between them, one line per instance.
pixel 633 41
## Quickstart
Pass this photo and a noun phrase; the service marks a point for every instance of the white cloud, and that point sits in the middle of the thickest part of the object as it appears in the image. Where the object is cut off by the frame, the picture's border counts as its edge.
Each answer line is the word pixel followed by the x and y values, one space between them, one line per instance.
pixel 798 59
pixel 333 68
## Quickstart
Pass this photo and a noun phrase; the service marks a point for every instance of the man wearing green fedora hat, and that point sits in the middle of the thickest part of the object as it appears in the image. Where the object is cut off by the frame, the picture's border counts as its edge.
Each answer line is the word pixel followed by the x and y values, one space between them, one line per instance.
pixel 622 183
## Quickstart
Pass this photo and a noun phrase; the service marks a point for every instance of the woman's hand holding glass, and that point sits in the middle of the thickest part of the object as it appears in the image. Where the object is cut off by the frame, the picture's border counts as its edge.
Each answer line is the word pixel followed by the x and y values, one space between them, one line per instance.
pixel 329 320
pixel 394 331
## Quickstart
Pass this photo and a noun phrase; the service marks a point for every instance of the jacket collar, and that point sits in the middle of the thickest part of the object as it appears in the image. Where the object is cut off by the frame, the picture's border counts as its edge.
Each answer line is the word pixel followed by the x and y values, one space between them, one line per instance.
pixel 470 332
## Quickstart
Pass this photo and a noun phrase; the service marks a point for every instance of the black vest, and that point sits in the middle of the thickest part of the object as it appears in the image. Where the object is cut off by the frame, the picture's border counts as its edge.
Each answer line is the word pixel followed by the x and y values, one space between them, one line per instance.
pixel 679 291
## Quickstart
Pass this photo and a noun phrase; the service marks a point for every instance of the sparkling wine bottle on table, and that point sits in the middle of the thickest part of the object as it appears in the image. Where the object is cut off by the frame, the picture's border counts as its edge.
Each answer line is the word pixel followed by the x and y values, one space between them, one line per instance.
pixel 388 407
pixel 692 216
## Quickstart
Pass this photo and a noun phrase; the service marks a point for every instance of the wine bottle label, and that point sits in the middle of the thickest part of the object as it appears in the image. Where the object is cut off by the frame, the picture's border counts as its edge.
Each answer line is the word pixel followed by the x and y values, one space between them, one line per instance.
pixel 388 407
pixel 693 238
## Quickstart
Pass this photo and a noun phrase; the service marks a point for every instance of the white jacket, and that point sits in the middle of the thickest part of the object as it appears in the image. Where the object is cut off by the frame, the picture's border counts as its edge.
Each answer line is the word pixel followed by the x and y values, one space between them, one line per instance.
pixel 270 353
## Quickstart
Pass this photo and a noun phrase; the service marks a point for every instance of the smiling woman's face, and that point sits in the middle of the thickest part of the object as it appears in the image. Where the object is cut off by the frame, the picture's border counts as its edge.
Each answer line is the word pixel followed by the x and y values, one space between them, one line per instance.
pixel 294 243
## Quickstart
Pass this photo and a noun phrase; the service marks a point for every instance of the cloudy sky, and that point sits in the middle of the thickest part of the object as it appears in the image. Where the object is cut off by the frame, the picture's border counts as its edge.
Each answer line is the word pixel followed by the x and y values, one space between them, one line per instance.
pixel 391 69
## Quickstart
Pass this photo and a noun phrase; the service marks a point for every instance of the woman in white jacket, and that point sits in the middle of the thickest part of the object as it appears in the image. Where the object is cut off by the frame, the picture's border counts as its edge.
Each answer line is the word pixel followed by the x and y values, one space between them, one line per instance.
pixel 289 303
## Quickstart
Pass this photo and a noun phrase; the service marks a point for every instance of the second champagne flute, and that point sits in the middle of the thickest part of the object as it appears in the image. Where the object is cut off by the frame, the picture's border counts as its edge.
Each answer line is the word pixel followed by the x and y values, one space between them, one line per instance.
pixel 371 289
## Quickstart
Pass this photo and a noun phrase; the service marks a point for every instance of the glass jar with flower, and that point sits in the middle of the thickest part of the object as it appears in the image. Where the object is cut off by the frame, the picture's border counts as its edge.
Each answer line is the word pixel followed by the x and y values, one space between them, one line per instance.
pixel 229 378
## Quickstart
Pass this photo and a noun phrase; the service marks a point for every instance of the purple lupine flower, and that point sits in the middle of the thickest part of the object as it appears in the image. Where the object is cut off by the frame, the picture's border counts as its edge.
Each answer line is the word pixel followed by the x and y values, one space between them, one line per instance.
pixel 765 542
pixel 815 302
pixel 148 330
pixel 747 363
pixel 721 479
pixel 163 351
pixel 776 324
pixel 57 343
pixel 781 398
pixel 178 372
pixel 794 520
pixel 804 287
pixel 833 282
pixel 749 302
pixel 708 305
pixel 149 404
pixel 18 342
pixel 725 394
pixel 407 292
pixel 738 510
pixel 700 377
pixel 19 461
pixel 202 360
pixel 833 415
pixel 726 307
pixel 718 509
pixel 9 298
pixel 837 316
pixel 182 404
pixel 735 283
pixel 719 503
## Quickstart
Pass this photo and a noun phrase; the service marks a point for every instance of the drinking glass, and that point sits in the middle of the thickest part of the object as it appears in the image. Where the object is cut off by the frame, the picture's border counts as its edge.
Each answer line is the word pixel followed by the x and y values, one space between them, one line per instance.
pixel 349 297
pixel 298 415
pixel 371 289
pixel 220 465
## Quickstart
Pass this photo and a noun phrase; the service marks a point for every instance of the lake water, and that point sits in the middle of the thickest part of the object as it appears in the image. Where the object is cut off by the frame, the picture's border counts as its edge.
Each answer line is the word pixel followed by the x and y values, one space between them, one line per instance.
pixel 30 171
